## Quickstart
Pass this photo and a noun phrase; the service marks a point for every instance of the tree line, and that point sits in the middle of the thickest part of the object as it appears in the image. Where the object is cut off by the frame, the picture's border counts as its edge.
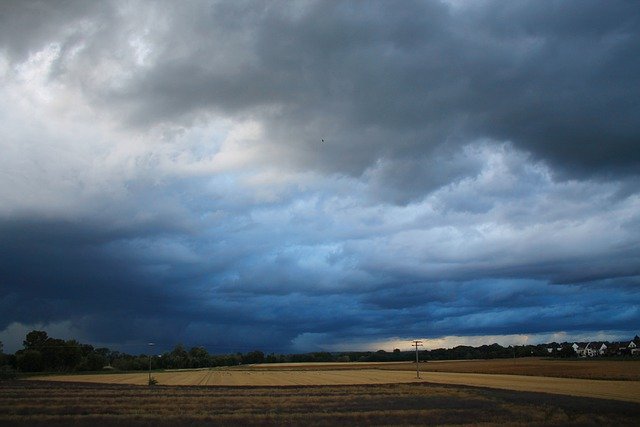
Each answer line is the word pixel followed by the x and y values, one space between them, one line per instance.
pixel 41 353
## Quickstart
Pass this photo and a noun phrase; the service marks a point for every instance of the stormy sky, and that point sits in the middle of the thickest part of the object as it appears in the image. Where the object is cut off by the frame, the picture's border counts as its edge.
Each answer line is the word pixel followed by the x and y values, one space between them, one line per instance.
pixel 319 175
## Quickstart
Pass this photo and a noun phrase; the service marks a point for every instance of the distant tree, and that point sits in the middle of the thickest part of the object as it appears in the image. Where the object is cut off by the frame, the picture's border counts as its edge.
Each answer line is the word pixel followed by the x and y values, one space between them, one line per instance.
pixel 108 354
pixel 198 357
pixel 29 360
pixel 7 372
pixel 566 351
pixel 71 354
pixel 11 360
pixel 127 362
pixel 53 354
pixel 85 349
pixel 226 360
pixel 35 340
pixel 4 359
pixel 322 356
pixel 273 358
pixel 95 361
pixel 103 351
pixel 178 358
pixel 255 356
pixel 396 350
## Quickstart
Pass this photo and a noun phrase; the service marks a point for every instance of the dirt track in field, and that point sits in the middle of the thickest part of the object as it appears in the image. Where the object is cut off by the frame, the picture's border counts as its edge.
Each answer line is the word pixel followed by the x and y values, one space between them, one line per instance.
pixel 605 389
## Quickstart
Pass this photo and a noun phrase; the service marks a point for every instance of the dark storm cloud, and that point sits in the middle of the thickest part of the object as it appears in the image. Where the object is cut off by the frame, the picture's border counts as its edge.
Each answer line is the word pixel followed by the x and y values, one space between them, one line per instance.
pixel 558 79
pixel 112 292
pixel 319 171
pixel 56 268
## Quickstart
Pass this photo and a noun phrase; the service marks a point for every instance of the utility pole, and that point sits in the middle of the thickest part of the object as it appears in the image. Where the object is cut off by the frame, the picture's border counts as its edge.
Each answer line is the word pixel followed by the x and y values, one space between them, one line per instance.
pixel 417 343
pixel 150 345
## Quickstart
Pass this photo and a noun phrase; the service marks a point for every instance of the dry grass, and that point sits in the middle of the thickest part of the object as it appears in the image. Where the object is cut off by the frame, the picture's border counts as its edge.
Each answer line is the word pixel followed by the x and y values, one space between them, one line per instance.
pixel 465 373
pixel 40 403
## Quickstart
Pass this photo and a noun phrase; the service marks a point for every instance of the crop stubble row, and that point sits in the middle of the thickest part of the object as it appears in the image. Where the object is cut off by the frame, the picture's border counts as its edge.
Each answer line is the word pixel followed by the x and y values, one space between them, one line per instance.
pixel 53 403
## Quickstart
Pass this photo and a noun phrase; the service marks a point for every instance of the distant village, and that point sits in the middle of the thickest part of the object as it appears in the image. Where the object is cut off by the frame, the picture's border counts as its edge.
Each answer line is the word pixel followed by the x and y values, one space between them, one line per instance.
pixel 599 348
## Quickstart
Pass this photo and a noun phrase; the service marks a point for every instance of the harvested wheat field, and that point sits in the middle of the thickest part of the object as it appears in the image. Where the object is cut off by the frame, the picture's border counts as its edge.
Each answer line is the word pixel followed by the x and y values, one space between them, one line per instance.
pixel 573 368
pixel 45 403
pixel 250 377
pixel 327 375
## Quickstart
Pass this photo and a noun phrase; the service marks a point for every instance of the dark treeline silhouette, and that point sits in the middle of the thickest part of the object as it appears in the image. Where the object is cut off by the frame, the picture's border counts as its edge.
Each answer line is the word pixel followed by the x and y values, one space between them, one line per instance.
pixel 42 353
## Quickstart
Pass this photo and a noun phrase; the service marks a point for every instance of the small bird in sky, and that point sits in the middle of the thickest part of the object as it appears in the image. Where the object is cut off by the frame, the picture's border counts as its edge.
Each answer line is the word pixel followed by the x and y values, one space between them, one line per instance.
pixel 323 140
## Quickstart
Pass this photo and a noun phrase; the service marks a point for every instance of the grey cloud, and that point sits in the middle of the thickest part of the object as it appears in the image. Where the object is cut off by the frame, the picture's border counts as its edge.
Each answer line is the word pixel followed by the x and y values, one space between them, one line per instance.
pixel 397 82
pixel 460 182
pixel 27 26
pixel 392 83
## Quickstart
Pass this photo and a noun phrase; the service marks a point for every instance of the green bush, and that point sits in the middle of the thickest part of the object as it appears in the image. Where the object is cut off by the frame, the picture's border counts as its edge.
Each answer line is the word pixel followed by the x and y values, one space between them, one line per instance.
pixel 7 373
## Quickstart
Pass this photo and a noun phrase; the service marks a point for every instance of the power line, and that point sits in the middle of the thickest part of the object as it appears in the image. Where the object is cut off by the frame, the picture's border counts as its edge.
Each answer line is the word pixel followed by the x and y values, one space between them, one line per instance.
pixel 417 343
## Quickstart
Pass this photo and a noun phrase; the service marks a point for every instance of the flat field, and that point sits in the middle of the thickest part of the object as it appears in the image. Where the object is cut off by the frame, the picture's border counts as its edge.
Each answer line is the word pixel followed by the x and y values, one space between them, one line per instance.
pixel 250 377
pixel 562 368
pixel 44 403
pixel 597 369
pixel 625 388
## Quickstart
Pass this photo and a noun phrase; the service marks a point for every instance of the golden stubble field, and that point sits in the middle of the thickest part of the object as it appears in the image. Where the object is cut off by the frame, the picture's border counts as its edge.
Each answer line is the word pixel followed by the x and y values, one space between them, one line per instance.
pixel 48 403
pixel 561 368
pixel 499 374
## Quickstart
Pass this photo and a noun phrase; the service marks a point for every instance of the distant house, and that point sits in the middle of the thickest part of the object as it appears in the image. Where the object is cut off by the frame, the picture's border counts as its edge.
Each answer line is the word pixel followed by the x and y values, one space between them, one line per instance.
pixel 576 347
pixel 579 348
pixel 599 348
pixel 614 349
pixel 619 349
pixel 634 346
pixel 602 350
pixel 590 349
pixel 593 349
pixel 624 348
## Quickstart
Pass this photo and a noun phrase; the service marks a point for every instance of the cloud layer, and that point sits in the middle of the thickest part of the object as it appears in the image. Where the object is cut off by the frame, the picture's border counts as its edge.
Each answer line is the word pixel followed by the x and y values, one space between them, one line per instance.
pixel 300 176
